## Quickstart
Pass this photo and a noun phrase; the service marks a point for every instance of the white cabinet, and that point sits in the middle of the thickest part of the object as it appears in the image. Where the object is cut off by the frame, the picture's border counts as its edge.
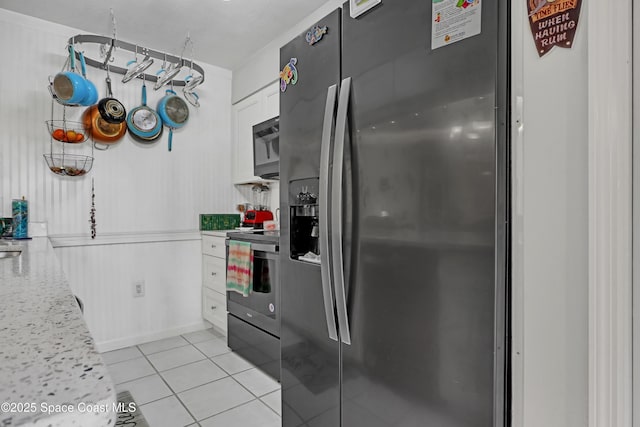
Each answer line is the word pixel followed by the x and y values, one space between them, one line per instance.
pixel 214 279
pixel 252 110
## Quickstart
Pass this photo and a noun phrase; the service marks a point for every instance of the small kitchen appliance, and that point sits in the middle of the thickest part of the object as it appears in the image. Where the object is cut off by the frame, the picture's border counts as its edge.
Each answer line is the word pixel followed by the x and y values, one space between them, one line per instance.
pixel 260 213
pixel 256 218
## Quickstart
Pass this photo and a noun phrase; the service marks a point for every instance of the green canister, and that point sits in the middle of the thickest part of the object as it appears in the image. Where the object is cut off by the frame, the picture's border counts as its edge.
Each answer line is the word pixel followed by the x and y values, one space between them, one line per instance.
pixel 20 218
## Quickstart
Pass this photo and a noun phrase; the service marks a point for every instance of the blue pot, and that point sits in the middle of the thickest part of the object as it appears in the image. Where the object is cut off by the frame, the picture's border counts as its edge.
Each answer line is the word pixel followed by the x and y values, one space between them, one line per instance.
pixel 92 93
pixel 70 88
pixel 174 112
pixel 143 121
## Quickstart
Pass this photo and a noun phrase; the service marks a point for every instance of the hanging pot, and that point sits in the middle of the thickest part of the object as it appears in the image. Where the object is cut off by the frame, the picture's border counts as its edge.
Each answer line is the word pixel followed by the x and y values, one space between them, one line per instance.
pixel 100 129
pixel 70 87
pixel 173 111
pixel 111 110
pixel 147 140
pixel 143 122
pixel 92 92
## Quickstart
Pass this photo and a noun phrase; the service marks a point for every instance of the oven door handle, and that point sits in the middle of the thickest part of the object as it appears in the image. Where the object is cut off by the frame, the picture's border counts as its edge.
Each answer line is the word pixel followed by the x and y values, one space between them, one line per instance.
pixel 324 216
pixel 264 247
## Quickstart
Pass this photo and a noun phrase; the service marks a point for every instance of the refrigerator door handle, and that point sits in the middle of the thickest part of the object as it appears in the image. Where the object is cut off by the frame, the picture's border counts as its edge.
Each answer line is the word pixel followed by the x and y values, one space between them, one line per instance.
pixel 324 217
pixel 336 211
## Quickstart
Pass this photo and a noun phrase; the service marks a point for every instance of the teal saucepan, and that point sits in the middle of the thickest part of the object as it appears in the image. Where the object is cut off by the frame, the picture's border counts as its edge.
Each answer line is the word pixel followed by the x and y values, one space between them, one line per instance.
pixel 173 111
pixel 143 122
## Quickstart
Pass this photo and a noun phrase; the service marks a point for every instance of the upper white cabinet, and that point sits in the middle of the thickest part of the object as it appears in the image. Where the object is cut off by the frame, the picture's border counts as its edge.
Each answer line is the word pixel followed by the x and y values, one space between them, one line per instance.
pixel 252 110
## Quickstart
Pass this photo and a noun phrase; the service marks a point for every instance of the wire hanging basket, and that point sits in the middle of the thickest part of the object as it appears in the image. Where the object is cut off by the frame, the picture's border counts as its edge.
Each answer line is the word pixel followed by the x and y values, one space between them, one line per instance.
pixel 69 164
pixel 67 131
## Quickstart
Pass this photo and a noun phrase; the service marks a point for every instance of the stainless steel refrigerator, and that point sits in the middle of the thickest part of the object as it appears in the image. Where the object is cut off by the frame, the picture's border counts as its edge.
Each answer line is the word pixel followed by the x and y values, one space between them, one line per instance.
pixel 395 221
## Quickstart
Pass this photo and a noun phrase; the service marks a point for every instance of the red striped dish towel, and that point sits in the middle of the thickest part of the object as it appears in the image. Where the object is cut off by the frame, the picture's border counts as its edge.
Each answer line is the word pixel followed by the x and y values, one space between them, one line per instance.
pixel 240 267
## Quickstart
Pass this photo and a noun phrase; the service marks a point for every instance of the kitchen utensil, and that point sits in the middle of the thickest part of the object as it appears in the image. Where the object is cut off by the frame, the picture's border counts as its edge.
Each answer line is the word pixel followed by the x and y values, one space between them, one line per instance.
pixel 173 111
pixel 67 131
pixel 101 130
pixel 165 74
pixel 190 83
pixel 137 69
pixel 191 97
pixel 143 122
pixel 70 87
pixel 69 164
pixel 92 92
pixel 111 110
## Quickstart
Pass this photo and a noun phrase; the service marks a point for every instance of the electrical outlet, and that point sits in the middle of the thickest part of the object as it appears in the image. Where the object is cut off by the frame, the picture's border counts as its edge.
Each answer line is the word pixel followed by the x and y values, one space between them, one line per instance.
pixel 138 288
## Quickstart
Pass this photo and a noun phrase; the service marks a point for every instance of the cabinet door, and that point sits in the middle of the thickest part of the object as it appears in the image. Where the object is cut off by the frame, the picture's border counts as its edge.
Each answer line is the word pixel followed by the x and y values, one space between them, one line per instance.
pixel 214 246
pixel 214 308
pixel 214 273
pixel 245 114
pixel 271 100
pixel 255 109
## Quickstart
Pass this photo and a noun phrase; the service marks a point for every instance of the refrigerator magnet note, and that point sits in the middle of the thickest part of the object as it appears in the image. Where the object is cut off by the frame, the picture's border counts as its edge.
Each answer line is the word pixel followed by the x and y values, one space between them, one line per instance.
pixel 358 7
pixel 454 20
pixel 289 74
pixel 553 23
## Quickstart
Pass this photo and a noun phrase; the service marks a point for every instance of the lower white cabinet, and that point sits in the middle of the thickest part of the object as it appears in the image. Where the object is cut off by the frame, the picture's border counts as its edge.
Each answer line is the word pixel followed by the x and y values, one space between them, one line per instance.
pixel 214 308
pixel 214 279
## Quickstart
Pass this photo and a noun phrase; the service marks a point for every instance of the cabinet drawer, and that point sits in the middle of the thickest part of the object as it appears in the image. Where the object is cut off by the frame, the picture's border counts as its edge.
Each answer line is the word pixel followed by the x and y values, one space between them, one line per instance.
pixel 214 246
pixel 214 308
pixel 214 273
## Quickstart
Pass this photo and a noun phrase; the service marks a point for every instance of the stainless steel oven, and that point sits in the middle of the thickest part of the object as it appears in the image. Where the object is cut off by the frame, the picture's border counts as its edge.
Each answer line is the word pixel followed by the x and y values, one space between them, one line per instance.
pixel 254 320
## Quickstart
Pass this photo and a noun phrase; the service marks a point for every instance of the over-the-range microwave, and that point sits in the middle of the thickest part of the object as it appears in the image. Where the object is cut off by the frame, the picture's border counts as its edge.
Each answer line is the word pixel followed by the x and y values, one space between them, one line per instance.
pixel 266 149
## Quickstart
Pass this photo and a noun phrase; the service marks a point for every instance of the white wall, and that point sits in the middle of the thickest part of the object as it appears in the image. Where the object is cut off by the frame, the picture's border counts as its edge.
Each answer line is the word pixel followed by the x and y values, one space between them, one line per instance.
pixel 263 67
pixel 139 189
pixel 550 230
pixel 636 216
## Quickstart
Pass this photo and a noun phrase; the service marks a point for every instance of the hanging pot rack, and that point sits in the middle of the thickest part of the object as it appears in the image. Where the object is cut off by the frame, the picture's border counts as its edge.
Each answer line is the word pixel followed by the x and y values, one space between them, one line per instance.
pixel 131 47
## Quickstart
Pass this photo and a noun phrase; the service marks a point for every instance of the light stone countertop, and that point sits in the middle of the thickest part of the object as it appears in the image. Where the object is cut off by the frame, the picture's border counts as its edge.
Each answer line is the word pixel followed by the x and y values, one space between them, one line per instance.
pixel 216 233
pixel 47 355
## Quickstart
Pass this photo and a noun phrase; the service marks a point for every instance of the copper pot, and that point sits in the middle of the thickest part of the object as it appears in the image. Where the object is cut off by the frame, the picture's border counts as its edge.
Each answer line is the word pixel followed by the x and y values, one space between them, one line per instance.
pixel 100 129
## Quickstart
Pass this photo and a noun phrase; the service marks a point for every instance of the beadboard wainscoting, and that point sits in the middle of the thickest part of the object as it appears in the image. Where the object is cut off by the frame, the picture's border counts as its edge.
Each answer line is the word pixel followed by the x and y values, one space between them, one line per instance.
pixel 140 189
pixel 103 277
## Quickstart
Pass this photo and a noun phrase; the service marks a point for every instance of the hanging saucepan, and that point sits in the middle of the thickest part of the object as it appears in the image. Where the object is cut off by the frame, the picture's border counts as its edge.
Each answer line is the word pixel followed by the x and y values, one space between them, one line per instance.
pixel 173 111
pixel 111 110
pixel 144 124
pixel 92 92
pixel 101 130
pixel 147 141
pixel 70 87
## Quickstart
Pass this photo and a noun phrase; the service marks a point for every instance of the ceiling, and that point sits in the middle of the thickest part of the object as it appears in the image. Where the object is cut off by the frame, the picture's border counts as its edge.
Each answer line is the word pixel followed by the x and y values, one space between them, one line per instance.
pixel 224 32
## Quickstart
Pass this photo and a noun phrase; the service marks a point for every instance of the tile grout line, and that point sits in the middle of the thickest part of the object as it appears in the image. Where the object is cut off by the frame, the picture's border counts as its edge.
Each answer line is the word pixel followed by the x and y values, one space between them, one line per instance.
pixel 253 394
pixel 176 394
pixel 210 358
pixel 167 384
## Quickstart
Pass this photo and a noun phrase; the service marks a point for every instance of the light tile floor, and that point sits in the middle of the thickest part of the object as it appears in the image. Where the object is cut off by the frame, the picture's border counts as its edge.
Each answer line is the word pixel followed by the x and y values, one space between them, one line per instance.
pixel 195 380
